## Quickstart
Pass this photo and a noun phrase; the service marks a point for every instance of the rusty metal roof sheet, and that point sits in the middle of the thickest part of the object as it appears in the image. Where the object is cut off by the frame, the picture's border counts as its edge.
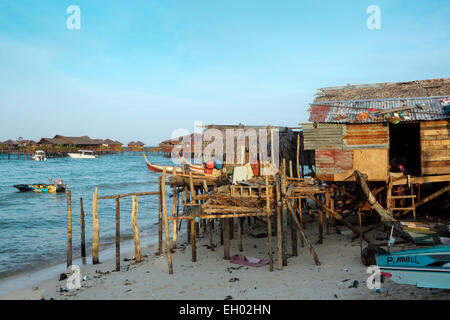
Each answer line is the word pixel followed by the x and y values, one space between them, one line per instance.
pixel 368 111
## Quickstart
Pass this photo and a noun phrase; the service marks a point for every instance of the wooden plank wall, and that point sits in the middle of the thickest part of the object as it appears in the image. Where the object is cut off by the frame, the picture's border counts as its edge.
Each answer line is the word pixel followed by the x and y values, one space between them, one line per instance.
pixel 435 147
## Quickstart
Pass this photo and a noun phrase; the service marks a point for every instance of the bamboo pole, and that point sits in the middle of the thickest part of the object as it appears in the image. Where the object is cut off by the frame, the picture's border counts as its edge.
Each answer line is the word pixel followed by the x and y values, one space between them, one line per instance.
pixel 269 224
pixel 284 212
pixel 136 233
pixel 300 214
pixel 327 215
pixel 320 222
pixel 166 222
pixel 174 212
pixel 82 232
pixel 117 234
pixel 96 228
pixel 69 228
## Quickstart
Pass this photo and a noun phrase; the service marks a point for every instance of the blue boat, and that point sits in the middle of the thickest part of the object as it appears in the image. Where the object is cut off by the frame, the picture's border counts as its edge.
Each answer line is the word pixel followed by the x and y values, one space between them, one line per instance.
pixel 424 267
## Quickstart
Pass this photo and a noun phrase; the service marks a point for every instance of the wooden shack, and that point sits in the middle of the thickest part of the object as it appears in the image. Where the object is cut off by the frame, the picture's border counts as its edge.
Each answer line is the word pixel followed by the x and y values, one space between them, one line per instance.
pixel 369 127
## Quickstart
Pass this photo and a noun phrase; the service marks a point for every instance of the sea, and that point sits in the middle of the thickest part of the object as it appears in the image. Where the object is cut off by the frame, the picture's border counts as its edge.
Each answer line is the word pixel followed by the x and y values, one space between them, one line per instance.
pixel 33 226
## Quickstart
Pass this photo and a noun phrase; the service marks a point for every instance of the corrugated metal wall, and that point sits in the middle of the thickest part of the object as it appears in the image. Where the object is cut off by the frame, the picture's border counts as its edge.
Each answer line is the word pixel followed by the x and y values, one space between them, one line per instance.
pixel 325 136
pixel 435 145
pixel 365 136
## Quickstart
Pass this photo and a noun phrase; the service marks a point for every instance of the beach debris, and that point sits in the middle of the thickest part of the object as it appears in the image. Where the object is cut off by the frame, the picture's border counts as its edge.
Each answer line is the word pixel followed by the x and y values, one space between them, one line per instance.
pixel 228 298
pixel 343 283
pixel 229 269
pixel 86 278
pixel 35 288
pixel 336 296
pixel 62 276
pixel 248 261
pixel 354 284
pixel 234 279
pixel 127 283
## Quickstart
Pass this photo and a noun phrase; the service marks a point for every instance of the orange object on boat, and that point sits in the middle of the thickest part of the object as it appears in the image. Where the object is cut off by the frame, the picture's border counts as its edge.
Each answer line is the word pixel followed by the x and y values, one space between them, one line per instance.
pixel 255 168
pixel 209 171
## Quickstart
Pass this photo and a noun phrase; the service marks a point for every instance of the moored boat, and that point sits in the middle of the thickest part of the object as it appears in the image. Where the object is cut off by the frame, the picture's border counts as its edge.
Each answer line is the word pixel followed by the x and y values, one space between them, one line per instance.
pixel 159 168
pixel 83 154
pixel 424 267
pixel 39 156
pixel 41 187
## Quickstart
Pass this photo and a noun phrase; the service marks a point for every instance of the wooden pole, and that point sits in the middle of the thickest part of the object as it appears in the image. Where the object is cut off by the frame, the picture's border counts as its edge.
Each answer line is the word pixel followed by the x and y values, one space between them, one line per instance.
pixel 279 235
pixel 193 241
pixel 136 233
pixel 269 223
pixel 284 212
pixel 96 228
pixel 166 222
pixel 69 229
pixel 300 214
pixel 174 212
pixel 226 238
pixel 360 230
pixel 160 214
pixel 82 232
pixel 294 238
pixel 298 156
pixel 117 234
pixel 239 232
pixel 327 215
pixel 320 222
pixel 300 228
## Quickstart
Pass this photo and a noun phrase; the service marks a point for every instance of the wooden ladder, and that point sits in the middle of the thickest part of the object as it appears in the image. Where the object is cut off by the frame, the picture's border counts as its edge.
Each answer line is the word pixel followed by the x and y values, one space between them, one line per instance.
pixel 393 206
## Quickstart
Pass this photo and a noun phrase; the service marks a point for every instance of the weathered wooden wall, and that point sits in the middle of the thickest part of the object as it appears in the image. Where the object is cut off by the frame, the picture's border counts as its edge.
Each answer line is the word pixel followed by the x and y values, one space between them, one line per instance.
pixel 435 147
pixel 342 148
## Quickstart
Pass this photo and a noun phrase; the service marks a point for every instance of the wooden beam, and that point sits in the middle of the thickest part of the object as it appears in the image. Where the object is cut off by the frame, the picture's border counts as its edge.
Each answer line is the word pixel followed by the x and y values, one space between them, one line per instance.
pixel 430 197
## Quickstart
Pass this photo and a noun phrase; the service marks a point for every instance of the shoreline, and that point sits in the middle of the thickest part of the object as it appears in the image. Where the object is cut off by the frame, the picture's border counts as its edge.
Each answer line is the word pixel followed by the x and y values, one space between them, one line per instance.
pixel 35 277
pixel 341 275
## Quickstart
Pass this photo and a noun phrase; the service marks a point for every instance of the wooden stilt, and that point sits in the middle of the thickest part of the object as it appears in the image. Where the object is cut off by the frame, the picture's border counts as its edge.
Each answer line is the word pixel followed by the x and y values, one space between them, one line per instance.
pixel 279 235
pixel 193 241
pixel 82 232
pixel 136 233
pixel 327 215
pixel 239 234
pixel 269 224
pixel 117 234
pixel 294 238
pixel 95 228
pixel 320 222
pixel 160 220
pixel 69 228
pixel 166 222
pixel 226 238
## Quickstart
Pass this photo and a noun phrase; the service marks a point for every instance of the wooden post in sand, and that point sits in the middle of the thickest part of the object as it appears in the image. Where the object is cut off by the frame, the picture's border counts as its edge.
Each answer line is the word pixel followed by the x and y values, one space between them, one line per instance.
pixel 174 212
pixel 166 222
pixel 193 241
pixel 136 233
pixel 279 236
pixel 95 227
pixel 284 212
pixel 160 236
pixel 82 232
pixel 117 234
pixel 226 238
pixel 320 221
pixel 69 229
pixel 269 223
pixel 298 156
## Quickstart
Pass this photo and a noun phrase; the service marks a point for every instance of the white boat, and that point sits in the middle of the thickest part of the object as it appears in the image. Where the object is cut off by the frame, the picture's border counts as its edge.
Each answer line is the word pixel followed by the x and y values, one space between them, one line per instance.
pixel 39 155
pixel 83 154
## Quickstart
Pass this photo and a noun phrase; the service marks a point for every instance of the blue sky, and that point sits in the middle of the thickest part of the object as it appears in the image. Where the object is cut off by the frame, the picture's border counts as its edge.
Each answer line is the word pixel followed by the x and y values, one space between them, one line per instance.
pixel 141 69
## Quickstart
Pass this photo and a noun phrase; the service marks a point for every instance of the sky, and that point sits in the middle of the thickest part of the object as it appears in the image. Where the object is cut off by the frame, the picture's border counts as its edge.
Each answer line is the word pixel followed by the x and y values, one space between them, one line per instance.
pixel 139 70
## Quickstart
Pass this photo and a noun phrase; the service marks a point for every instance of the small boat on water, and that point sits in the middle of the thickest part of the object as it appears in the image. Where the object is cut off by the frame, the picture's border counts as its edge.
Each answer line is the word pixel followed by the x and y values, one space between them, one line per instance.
pixel 158 168
pixel 39 156
pixel 83 154
pixel 42 187
pixel 424 267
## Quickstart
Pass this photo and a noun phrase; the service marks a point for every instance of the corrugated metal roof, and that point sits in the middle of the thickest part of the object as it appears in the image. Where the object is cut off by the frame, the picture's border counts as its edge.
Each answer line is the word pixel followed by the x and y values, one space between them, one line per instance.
pixel 367 111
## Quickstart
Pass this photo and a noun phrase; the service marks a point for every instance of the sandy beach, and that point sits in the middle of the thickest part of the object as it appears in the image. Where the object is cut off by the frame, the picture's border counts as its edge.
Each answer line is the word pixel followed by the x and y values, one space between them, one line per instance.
pixel 340 276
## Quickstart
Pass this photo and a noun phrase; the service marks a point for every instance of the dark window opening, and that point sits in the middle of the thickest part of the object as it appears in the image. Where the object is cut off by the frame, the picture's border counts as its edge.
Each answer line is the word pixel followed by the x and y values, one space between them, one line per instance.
pixel 404 148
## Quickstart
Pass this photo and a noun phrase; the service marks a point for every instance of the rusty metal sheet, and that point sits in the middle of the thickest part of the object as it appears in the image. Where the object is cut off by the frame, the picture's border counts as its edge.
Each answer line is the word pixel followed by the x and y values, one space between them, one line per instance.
pixel 365 136
pixel 324 136
pixel 333 161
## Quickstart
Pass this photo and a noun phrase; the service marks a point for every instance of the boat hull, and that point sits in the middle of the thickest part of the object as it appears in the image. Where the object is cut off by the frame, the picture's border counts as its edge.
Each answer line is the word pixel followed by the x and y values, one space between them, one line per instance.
pixel 425 267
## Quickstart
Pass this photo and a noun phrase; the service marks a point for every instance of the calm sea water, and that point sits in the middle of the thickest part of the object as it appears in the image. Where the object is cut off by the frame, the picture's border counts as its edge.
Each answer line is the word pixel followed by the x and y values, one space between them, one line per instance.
pixel 33 226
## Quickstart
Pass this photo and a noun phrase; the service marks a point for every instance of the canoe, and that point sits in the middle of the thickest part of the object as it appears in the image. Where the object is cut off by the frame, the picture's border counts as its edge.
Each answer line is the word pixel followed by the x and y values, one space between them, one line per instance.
pixel 158 168
pixel 424 267
pixel 426 233
pixel 44 188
